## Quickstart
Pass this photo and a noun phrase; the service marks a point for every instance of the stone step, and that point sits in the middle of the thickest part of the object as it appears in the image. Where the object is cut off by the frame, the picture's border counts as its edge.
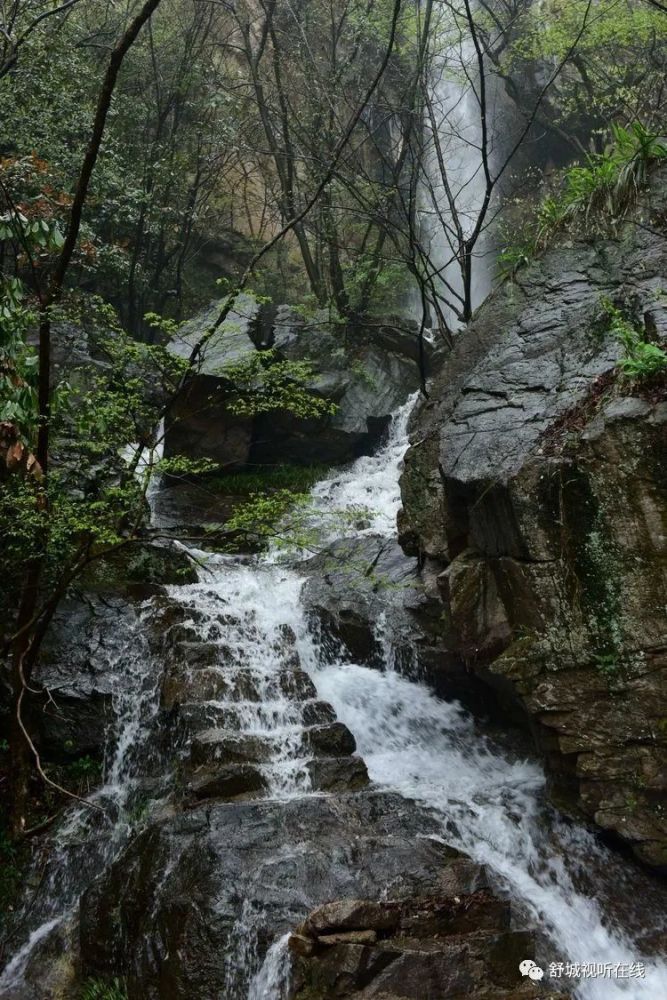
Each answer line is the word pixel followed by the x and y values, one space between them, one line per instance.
pixel 192 654
pixel 297 684
pixel 337 774
pixel 428 916
pixel 331 740
pixel 434 964
pixel 231 782
pixel 316 712
pixel 215 746
pixel 214 683
pixel 193 717
pixel 182 686
pixel 226 746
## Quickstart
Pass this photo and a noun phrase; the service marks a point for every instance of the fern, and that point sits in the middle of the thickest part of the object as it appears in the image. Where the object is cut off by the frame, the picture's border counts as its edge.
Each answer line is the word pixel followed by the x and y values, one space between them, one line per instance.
pixel 100 989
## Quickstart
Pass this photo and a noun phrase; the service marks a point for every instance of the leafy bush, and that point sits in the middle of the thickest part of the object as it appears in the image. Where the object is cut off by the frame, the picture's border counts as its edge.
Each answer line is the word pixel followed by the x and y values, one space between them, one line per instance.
pixel 297 478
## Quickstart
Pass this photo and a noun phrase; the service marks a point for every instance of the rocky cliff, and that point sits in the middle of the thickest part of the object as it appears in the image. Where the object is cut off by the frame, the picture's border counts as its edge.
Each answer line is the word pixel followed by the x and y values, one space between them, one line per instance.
pixel 535 493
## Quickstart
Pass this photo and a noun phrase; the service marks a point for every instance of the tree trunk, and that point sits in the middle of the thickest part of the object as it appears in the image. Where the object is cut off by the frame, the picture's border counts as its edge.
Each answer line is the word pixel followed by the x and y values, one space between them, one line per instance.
pixel 24 647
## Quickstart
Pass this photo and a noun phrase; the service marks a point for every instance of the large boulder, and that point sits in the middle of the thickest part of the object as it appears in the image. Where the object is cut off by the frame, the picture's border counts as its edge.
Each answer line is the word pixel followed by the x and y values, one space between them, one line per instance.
pixel 75 673
pixel 193 904
pixel 349 586
pixel 367 372
pixel 201 423
pixel 453 943
pixel 535 494
pixel 81 676
pixel 371 604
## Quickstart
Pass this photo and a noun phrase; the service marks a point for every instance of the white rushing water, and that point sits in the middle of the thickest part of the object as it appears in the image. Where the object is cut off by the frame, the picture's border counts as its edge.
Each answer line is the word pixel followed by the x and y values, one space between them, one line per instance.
pixel 492 806
pixel 453 185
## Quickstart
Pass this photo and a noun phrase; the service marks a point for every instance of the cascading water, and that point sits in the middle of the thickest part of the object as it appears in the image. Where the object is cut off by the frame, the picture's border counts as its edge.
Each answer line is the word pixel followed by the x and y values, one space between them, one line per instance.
pixel 453 183
pixel 489 804
pixel 90 836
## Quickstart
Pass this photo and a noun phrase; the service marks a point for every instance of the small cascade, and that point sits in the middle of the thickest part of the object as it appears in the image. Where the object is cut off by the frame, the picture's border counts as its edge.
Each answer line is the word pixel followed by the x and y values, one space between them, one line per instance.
pixel 493 808
pixel 272 980
pixel 90 836
pixel 259 714
pixel 370 485
pixel 244 697
pixel 491 805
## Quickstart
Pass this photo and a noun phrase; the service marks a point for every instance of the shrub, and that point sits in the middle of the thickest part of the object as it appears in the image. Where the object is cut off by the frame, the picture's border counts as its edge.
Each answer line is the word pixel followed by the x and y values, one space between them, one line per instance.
pixel 602 188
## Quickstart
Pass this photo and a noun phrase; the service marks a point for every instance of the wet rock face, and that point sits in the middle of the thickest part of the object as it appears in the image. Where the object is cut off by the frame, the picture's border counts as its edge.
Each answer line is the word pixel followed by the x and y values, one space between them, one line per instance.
pixel 164 915
pixel 193 903
pixel 367 373
pixel 77 674
pixel 535 491
pixel 350 584
pixel 426 947
pixel 72 716
pixel 355 584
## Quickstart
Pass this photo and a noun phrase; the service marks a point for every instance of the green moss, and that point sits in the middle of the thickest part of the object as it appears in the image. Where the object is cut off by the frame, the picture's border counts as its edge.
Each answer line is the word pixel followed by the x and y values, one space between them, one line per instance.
pixel 139 564
pixel 596 584
pixel 298 478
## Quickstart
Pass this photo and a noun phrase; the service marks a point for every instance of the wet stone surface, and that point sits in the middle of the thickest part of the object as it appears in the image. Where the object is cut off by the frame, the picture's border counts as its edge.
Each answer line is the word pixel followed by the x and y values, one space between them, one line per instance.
pixel 165 914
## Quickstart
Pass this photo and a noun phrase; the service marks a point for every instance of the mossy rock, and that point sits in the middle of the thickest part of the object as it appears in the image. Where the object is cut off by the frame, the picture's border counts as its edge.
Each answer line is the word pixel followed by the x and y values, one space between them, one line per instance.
pixel 140 564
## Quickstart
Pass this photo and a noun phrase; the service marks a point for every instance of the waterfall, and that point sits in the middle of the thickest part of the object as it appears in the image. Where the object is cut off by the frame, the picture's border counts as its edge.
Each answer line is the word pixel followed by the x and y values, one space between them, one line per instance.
pixel 465 125
pixel 249 611
pixel 489 803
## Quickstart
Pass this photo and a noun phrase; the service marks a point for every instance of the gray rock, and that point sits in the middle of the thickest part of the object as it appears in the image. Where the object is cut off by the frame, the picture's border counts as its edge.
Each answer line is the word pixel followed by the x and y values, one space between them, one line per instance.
pixel 73 715
pixel 216 745
pixel 201 424
pixel 337 774
pixel 332 740
pixel 627 408
pixel 367 372
pixel 165 914
pixel 365 595
pixel 352 914
pixel 231 782
pixel 350 583
pixel 233 340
